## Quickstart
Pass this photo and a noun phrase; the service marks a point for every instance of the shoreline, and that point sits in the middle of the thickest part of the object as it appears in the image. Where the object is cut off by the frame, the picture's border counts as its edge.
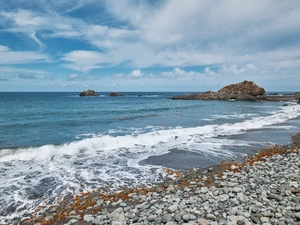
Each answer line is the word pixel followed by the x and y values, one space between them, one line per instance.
pixel 97 207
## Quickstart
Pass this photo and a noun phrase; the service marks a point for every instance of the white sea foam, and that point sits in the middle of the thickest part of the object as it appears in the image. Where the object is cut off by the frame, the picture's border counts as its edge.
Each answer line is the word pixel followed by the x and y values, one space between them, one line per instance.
pixel 113 160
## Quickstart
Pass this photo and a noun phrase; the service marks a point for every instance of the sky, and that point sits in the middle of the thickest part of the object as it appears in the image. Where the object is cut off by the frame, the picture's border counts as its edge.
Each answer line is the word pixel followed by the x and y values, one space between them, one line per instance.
pixel 148 45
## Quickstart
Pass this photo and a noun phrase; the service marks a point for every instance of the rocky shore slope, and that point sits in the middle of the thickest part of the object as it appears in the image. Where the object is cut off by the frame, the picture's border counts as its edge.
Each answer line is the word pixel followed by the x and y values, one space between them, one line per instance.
pixel 264 189
pixel 243 91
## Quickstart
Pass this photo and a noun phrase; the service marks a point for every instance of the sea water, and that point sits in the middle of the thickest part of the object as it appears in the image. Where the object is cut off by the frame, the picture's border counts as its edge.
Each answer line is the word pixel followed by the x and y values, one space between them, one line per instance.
pixel 52 144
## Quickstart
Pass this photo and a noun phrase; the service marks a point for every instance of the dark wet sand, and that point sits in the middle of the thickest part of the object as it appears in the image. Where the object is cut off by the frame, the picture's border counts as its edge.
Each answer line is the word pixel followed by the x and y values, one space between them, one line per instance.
pixel 180 160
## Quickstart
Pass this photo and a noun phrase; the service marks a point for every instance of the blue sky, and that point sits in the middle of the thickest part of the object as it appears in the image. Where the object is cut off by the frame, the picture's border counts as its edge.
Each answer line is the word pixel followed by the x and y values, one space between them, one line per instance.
pixel 140 45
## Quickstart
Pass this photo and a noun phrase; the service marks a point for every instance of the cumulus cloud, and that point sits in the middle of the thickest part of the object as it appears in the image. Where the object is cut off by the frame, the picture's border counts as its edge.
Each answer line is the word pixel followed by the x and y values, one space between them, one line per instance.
pixel 136 73
pixel 208 71
pixel 177 72
pixel 84 61
pixel 235 38
pixel 72 77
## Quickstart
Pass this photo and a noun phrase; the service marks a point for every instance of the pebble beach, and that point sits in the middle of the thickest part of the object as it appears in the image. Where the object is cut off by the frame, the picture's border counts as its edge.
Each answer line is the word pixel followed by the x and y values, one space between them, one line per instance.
pixel 264 189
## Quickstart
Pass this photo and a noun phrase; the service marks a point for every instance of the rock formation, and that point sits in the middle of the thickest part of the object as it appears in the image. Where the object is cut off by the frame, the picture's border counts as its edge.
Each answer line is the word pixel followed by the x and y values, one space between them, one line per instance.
pixel 243 88
pixel 88 93
pixel 115 94
pixel 246 90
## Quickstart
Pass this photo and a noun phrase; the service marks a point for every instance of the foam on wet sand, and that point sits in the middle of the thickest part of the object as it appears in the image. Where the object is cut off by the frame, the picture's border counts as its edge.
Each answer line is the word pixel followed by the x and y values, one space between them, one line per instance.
pixel 264 189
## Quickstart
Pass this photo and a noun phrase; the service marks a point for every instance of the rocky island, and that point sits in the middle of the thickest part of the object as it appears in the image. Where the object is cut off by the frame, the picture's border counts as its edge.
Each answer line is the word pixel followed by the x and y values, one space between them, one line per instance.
pixel 88 93
pixel 244 91
pixel 115 94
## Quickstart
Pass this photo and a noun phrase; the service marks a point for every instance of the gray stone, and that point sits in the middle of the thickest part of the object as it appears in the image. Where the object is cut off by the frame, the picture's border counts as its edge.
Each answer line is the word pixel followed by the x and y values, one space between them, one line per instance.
pixel 88 218
pixel 166 218
pixel 186 217
pixel 177 217
pixel 72 222
pixel 151 218
pixel 264 219
pixel 211 216
pixel 173 208
pixel 123 204
pixel 267 214
pixel 202 221
pixel 297 216
pixel 116 223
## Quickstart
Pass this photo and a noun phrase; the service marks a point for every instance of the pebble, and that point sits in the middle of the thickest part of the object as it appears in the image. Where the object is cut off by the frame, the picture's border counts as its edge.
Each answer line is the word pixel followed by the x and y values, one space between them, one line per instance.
pixel 267 193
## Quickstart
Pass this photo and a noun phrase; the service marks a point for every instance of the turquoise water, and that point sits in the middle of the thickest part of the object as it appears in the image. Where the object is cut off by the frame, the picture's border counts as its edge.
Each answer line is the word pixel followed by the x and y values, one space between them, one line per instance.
pixel 57 143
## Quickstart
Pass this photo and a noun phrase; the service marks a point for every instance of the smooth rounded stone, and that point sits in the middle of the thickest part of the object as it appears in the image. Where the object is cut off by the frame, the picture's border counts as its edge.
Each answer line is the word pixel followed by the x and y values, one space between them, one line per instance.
pixel 231 195
pixel 116 223
pixel 173 208
pixel 157 221
pixel 267 214
pixel 52 210
pixel 146 222
pixel 97 221
pixel 135 219
pixel 297 216
pixel 297 208
pixel 73 212
pixel 170 223
pixel 122 204
pixel 202 221
pixel 158 211
pixel 204 190
pixel 151 218
pixel 177 217
pixel 235 219
pixel 166 218
pixel 264 219
pixel 223 198
pixel 236 189
pixel 88 218
pixel 186 218
pixel 210 216
pixel 72 221
pixel 254 209
pixel 213 223
pixel 193 217
pixel 48 218
pixel 255 218
pixel 246 214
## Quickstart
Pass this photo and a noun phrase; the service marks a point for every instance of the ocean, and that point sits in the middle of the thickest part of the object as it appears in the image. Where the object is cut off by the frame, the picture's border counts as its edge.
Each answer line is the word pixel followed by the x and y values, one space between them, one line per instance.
pixel 52 144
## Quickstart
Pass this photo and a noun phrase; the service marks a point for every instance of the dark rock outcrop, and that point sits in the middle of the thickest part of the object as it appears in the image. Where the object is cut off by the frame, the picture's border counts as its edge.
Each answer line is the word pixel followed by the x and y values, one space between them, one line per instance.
pixel 243 88
pixel 115 94
pixel 246 91
pixel 297 95
pixel 88 93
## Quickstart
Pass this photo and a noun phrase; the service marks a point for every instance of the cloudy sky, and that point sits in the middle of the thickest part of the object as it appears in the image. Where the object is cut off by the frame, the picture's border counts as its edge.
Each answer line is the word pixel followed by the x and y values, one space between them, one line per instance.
pixel 148 45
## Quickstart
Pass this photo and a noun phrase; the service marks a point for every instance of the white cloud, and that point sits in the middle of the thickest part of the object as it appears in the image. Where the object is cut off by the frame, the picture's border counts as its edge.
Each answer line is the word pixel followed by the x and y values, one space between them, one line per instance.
pixel 180 73
pixel 231 69
pixel 24 18
pixel 8 56
pixel 236 38
pixel 72 77
pixel 83 61
pixel 208 71
pixel 136 73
